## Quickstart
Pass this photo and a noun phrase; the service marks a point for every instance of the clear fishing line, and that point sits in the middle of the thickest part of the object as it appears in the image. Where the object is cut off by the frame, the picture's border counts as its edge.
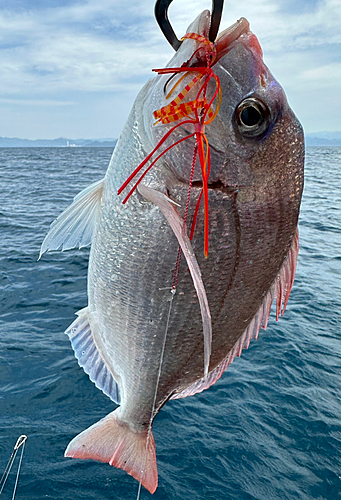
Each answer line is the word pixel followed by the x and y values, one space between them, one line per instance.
pixel 173 291
pixel 20 443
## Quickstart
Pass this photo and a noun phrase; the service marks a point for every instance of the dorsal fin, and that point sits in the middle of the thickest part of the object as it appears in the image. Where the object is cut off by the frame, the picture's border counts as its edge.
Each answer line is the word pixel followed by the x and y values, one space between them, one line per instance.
pixel 280 290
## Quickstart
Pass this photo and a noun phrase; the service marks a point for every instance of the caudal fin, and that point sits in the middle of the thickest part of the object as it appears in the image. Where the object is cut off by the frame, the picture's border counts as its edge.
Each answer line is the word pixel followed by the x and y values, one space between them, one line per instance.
pixel 113 441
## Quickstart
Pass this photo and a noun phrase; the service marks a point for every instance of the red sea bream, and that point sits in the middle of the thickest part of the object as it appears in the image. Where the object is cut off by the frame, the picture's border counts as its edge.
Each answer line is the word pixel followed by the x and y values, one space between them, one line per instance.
pixel 222 300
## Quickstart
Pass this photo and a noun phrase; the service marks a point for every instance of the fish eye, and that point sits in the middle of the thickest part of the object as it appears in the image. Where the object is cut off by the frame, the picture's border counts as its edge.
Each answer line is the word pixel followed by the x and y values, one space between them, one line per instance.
pixel 252 117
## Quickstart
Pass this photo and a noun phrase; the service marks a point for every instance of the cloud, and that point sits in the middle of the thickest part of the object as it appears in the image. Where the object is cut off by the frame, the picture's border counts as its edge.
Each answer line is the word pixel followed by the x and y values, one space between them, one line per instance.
pixel 99 45
pixel 322 77
pixel 36 102
pixel 64 49
pixel 69 52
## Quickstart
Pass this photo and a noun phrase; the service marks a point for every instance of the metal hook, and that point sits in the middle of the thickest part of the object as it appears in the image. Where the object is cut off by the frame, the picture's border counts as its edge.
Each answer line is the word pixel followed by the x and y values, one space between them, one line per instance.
pixel 161 15
pixel 217 11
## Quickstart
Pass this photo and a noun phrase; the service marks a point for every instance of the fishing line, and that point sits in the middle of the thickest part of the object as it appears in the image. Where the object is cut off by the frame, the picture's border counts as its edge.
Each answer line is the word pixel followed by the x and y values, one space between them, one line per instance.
pixel 173 291
pixel 178 259
pixel 20 443
pixel 205 164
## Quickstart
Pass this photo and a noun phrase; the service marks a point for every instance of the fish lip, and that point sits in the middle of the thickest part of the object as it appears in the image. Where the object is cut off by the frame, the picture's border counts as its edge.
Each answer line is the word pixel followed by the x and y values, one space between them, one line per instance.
pixel 226 40
pixel 231 34
pixel 229 37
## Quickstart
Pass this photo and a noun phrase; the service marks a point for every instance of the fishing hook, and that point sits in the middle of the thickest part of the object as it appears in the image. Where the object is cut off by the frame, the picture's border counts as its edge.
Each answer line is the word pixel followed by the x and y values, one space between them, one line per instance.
pixel 161 15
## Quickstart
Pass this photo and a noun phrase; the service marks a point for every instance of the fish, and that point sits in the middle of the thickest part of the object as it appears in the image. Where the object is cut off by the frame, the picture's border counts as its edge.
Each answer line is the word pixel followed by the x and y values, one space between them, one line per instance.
pixel 157 326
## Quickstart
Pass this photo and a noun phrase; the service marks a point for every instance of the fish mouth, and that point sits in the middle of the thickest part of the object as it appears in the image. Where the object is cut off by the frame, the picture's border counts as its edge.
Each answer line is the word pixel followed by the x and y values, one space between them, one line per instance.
pixel 228 38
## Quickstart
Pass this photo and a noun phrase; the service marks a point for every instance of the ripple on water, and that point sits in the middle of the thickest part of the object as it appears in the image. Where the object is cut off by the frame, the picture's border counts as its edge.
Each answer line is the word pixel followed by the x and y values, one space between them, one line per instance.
pixel 268 429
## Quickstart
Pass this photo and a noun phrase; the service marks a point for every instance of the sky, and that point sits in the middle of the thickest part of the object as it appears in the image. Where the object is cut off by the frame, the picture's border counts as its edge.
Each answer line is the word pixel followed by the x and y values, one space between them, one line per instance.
pixel 72 68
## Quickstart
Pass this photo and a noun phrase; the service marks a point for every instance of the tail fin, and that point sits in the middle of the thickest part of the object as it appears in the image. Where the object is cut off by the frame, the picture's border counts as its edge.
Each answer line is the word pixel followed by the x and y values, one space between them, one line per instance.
pixel 113 441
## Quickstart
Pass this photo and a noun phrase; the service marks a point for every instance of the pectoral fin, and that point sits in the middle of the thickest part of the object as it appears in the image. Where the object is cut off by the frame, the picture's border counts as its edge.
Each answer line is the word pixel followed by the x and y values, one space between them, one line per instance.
pixel 177 224
pixel 75 226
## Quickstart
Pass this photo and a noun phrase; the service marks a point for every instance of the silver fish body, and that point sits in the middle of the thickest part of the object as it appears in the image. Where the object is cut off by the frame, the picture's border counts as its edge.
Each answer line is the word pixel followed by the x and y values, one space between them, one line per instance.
pixel 255 188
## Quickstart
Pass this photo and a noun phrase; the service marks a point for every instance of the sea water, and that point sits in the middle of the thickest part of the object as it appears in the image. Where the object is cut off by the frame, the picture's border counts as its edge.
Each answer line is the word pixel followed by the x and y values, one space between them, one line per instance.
pixel 269 429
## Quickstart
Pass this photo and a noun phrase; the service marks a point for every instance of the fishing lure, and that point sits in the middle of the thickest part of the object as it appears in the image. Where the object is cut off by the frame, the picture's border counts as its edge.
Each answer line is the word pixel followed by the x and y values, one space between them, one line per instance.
pixel 199 112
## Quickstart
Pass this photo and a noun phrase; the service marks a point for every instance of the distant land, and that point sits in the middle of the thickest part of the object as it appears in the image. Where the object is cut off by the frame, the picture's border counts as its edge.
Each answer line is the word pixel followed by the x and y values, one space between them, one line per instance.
pixel 15 142
pixel 323 139
pixel 312 139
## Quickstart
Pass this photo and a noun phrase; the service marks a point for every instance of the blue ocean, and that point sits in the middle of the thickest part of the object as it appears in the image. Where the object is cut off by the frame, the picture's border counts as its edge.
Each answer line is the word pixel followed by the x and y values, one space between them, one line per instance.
pixel 269 429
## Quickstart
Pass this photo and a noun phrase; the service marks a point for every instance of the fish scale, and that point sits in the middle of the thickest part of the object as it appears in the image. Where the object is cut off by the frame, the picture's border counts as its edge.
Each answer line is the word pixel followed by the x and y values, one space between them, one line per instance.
pixel 254 194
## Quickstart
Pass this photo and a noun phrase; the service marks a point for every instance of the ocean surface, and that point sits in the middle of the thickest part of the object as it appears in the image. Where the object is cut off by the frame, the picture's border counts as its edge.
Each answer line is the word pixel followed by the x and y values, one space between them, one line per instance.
pixel 269 429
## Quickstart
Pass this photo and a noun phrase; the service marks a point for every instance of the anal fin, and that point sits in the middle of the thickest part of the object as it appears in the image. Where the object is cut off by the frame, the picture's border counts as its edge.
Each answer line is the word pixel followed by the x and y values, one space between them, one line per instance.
pixel 89 357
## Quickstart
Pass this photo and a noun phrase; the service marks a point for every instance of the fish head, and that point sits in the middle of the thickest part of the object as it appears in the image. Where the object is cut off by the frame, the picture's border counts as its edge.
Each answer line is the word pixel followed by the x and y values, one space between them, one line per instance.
pixel 255 140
